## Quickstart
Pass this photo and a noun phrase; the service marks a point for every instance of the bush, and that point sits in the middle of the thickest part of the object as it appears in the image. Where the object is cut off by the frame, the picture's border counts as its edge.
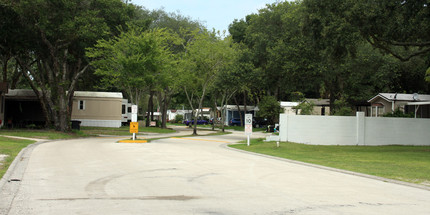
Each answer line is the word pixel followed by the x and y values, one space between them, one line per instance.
pixel 399 113
pixel 306 108
pixel 269 109
pixel 179 118
pixel 342 108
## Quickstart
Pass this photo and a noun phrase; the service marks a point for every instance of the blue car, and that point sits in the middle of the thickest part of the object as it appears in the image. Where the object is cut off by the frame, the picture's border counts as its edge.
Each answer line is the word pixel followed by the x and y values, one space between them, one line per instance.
pixel 234 122
pixel 199 122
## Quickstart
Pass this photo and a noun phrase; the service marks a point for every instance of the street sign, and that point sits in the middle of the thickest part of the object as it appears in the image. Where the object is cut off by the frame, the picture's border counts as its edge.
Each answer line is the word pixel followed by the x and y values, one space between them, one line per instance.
pixel 134 113
pixel 248 127
pixel 248 124
pixel 134 127
pixel 134 109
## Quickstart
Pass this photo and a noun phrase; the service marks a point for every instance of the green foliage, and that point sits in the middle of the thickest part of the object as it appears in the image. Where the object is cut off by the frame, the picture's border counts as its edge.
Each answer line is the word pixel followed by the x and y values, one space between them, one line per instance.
pixel 269 108
pixel 428 75
pixel 179 118
pixel 306 108
pixel 399 113
pixel 135 60
pixel 205 57
pixel 297 97
pixel 342 108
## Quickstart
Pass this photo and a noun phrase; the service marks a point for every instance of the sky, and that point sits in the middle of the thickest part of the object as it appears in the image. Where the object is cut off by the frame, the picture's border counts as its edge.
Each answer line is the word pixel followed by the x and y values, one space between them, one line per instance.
pixel 216 14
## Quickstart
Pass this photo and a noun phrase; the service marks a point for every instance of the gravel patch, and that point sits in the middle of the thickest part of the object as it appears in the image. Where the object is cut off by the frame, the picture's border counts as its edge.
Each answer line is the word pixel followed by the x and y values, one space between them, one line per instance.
pixel 2 157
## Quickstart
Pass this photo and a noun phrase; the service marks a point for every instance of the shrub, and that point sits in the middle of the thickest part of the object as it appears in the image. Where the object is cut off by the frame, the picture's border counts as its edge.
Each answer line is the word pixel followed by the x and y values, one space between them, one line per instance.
pixel 399 113
pixel 179 118
pixel 306 108
pixel 269 109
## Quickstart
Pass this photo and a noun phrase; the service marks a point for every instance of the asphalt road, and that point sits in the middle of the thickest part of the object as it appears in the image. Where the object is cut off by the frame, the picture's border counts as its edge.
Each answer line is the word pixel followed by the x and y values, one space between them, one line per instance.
pixel 195 175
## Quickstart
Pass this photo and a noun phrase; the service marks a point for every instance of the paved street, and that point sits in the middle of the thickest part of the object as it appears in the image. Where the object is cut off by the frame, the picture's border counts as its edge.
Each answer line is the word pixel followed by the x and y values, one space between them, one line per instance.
pixel 193 175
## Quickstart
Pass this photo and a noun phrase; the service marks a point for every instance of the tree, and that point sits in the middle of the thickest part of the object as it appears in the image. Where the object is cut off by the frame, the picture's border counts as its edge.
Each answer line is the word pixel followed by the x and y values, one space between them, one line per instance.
pixel 270 109
pixel 181 27
pixel 54 60
pixel 226 82
pixel 136 61
pixel 205 55
pixel 394 26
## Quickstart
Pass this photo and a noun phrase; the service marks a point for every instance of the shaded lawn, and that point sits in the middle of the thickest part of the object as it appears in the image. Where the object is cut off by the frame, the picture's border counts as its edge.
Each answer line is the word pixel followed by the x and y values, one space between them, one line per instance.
pixel 42 134
pixel 10 147
pixel 406 163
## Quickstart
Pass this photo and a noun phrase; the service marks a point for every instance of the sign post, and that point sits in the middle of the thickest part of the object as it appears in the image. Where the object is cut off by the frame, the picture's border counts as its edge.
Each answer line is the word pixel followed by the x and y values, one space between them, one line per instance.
pixel 134 125
pixel 248 127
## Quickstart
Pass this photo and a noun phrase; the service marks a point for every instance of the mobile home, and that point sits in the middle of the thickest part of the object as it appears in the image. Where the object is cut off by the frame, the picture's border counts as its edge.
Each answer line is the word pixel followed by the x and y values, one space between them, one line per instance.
pixel 100 109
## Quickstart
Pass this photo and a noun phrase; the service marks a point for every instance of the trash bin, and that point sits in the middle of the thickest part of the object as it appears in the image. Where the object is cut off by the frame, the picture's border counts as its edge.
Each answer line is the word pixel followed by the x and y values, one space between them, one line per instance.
pixel 76 124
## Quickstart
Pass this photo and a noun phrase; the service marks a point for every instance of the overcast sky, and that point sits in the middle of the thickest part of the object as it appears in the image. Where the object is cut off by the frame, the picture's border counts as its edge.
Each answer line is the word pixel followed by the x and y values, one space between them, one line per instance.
pixel 216 14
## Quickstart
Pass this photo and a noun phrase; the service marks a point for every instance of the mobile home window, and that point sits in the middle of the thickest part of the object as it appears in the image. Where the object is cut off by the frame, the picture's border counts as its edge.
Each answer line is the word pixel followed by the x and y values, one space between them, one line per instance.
pixel 123 109
pixel 81 105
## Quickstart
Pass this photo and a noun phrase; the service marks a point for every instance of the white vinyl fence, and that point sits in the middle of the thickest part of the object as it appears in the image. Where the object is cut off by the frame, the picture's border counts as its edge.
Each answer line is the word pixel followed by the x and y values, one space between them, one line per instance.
pixel 359 130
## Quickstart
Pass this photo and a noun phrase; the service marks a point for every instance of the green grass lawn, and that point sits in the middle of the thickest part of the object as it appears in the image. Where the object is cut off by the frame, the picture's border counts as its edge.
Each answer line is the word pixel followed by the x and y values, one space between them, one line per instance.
pixel 405 163
pixel 41 134
pixel 10 147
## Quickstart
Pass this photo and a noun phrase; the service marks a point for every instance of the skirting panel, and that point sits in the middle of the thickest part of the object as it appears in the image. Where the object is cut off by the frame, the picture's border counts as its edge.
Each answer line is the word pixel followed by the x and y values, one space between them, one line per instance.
pixel 100 123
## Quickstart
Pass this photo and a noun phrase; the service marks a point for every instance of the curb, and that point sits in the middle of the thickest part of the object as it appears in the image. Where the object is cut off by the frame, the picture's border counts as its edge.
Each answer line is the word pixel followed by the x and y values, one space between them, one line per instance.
pixel 423 187
pixel 17 163
pixel 132 141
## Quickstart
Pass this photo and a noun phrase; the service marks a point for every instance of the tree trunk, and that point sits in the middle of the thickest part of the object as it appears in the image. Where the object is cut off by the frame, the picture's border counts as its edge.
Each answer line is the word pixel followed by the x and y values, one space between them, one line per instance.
pixel 150 107
pixel 5 64
pixel 164 105
pixel 15 78
pixel 245 96
pixel 238 109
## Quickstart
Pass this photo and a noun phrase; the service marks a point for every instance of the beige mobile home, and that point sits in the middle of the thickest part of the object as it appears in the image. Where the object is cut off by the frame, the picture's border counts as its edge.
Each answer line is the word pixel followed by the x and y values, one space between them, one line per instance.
pixel 389 102
pixel 99 109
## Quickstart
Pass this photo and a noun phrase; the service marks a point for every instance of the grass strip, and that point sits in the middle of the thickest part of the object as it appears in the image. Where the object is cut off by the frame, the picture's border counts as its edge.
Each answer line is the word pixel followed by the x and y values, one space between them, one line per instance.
pixel 405 163
pixel 10 147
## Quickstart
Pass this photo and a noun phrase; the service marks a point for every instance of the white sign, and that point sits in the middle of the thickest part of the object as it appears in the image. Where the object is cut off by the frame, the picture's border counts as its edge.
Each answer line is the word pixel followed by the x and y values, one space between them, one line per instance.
pixel 134 109
pixel 248 124
pixel 134 113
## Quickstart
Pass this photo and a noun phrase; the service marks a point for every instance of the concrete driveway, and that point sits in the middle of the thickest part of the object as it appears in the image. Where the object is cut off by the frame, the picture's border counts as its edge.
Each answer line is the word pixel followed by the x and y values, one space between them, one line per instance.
pixel 195 175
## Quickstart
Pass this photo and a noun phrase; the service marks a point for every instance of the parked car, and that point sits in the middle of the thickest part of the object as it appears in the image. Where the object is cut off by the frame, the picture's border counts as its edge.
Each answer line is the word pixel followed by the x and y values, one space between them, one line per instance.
pixel 234 122
pixel 199 122
pixel 259 122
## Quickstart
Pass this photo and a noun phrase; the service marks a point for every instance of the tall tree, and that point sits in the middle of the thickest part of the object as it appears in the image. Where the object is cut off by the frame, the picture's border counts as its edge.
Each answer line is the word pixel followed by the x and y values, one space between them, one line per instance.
pixel 60 31
pixel 204 56
pixel 397 27
pixel 137 61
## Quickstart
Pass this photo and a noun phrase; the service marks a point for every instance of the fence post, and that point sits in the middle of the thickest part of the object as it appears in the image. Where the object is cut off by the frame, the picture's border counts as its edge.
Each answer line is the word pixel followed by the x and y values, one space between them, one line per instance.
pixel 360 128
